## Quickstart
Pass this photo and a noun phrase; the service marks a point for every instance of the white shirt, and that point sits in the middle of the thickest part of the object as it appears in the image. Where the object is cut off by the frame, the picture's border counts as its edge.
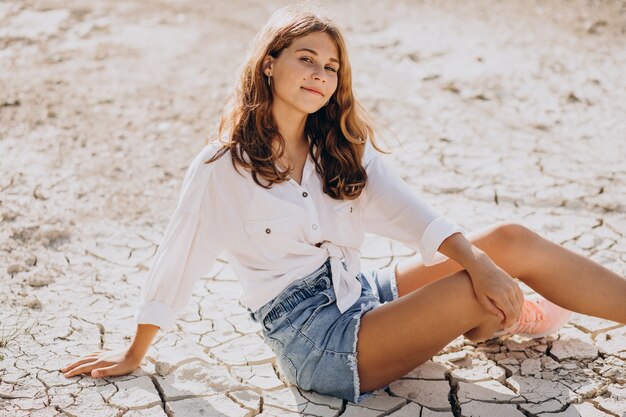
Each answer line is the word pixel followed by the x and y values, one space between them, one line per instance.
pixel 269 236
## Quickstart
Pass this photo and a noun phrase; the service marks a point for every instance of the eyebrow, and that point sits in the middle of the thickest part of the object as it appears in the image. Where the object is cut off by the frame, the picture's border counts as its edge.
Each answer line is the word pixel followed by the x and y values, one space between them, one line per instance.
pixel 315 53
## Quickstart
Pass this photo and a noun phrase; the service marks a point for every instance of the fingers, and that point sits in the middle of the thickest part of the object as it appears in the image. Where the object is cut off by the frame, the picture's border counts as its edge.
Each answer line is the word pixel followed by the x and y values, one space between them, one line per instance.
pixel 516 301
pixel 490 306
pixel 520 294
pixel 517 298
pixel 515 309
pixel 102 372
pixel 503 305
pixel 86 368
pixel 520 300
pixel 72 366
pixel 90 356
pixel 509 312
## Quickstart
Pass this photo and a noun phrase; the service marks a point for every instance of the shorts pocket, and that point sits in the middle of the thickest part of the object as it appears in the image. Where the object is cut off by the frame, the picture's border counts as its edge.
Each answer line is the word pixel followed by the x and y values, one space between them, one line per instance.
pixel 277 346
pixel 328 300
pixel 287 367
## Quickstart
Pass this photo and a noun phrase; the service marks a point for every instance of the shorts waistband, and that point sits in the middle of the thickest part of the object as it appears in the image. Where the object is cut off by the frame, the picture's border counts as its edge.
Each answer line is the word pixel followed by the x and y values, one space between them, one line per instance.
pixel 317 281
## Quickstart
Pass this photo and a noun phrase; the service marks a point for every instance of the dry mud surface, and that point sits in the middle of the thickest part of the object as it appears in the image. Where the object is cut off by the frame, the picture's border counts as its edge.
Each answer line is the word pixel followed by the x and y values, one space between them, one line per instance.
pixel 495 110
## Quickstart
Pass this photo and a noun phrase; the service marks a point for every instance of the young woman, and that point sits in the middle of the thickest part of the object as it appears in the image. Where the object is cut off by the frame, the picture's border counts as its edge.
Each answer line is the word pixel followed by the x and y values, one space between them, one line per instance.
pixel 288 198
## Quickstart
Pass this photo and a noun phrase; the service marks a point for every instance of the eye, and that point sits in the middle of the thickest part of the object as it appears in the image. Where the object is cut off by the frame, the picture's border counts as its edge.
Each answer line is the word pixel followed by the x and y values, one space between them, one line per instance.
pixel 307 59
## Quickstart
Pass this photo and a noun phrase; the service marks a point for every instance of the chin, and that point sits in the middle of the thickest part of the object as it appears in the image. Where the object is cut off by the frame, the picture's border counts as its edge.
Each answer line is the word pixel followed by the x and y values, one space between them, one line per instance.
pixel 315 109
pixel 307 107
pixel 309 110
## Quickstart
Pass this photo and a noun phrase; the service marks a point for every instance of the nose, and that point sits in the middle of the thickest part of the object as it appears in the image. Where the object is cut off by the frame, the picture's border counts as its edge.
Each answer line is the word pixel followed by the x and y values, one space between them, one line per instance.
pixel 317 76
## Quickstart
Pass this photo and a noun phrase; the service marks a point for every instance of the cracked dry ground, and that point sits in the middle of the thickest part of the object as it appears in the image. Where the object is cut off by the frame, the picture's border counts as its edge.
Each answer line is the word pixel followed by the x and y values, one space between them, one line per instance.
pixel 503 111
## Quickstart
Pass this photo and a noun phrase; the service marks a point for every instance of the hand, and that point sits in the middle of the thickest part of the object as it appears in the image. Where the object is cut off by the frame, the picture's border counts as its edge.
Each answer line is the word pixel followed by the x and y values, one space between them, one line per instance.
pixel 101 364
pixel 497 292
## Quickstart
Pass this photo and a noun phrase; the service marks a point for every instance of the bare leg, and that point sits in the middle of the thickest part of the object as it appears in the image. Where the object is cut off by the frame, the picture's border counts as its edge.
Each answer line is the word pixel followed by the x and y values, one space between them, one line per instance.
pixel 396 337
pixel 559 274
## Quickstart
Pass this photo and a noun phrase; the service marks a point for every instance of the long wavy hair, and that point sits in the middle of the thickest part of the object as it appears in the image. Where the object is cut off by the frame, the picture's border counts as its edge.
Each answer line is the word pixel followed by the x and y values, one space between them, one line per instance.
pixel 338 131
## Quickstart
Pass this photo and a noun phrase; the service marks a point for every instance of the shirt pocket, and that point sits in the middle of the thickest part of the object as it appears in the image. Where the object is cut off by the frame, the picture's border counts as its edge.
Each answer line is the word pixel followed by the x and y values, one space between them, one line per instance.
pixel 272 238
pixel 347 223
pixel 345 209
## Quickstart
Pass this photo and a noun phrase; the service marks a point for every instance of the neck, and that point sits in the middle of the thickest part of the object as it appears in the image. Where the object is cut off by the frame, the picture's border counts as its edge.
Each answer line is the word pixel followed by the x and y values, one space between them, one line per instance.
pixel 291 127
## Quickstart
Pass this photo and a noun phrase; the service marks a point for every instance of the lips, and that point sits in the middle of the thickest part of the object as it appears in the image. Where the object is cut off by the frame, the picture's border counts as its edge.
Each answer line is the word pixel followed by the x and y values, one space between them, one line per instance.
pixel 314 91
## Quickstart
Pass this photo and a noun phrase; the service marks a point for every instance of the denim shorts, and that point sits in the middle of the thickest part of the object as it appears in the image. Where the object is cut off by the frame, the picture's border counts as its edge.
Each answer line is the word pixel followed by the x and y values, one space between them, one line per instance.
pixel 314 343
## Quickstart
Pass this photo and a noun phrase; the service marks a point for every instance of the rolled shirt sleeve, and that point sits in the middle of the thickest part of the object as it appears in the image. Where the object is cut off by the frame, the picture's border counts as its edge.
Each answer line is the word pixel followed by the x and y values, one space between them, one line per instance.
pixel 392 209
pixel 187 251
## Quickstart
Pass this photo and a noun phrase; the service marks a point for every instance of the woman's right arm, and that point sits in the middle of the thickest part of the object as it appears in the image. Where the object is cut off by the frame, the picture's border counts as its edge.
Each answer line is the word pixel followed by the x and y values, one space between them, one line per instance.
pixel 114 363
pixel 143 339
pixel 186 253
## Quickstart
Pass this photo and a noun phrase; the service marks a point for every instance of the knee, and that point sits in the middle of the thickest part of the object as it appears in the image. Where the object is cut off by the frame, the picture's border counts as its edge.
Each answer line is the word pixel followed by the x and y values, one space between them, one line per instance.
pixel 511 233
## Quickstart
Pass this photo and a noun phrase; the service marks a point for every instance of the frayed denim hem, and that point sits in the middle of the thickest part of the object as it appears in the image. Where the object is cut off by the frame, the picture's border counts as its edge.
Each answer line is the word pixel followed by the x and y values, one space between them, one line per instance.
pixel 352 358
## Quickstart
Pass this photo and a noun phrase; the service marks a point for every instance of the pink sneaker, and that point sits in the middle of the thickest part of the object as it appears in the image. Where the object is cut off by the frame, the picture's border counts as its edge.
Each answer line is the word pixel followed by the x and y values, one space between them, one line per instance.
pixel 539 318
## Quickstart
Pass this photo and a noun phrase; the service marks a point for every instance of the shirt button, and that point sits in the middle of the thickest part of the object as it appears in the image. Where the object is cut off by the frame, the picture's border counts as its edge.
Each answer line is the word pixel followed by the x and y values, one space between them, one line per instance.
pixel 304 194
pixel 268 230
pixel 314 227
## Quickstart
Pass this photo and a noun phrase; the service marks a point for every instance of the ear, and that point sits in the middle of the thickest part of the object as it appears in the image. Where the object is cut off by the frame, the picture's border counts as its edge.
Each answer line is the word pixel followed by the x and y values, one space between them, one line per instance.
pixel 267 65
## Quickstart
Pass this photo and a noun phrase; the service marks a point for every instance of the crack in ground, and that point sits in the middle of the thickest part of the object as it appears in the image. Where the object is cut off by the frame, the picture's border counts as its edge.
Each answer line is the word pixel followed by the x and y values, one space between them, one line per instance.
pixel 159 389
pixel 101 328
pixel 525 412
pixel 261 404
pixel 453 398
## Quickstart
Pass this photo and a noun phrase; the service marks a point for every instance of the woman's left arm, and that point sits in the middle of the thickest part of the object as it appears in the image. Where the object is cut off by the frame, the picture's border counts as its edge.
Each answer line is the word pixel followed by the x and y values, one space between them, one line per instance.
pixel 496 290
pixel 390 208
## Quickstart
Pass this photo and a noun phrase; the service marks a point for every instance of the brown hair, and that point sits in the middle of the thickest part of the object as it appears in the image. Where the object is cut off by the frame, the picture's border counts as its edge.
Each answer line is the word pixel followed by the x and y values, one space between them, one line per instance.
pixel 338 130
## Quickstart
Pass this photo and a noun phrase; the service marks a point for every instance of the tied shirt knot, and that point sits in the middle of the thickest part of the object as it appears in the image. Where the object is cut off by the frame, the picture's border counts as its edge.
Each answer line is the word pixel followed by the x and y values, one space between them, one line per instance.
pixel 345 282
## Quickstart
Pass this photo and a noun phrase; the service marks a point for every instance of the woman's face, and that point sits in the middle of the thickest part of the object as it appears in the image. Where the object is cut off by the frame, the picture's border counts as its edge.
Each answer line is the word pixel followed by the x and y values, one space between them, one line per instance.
pixel 310 63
